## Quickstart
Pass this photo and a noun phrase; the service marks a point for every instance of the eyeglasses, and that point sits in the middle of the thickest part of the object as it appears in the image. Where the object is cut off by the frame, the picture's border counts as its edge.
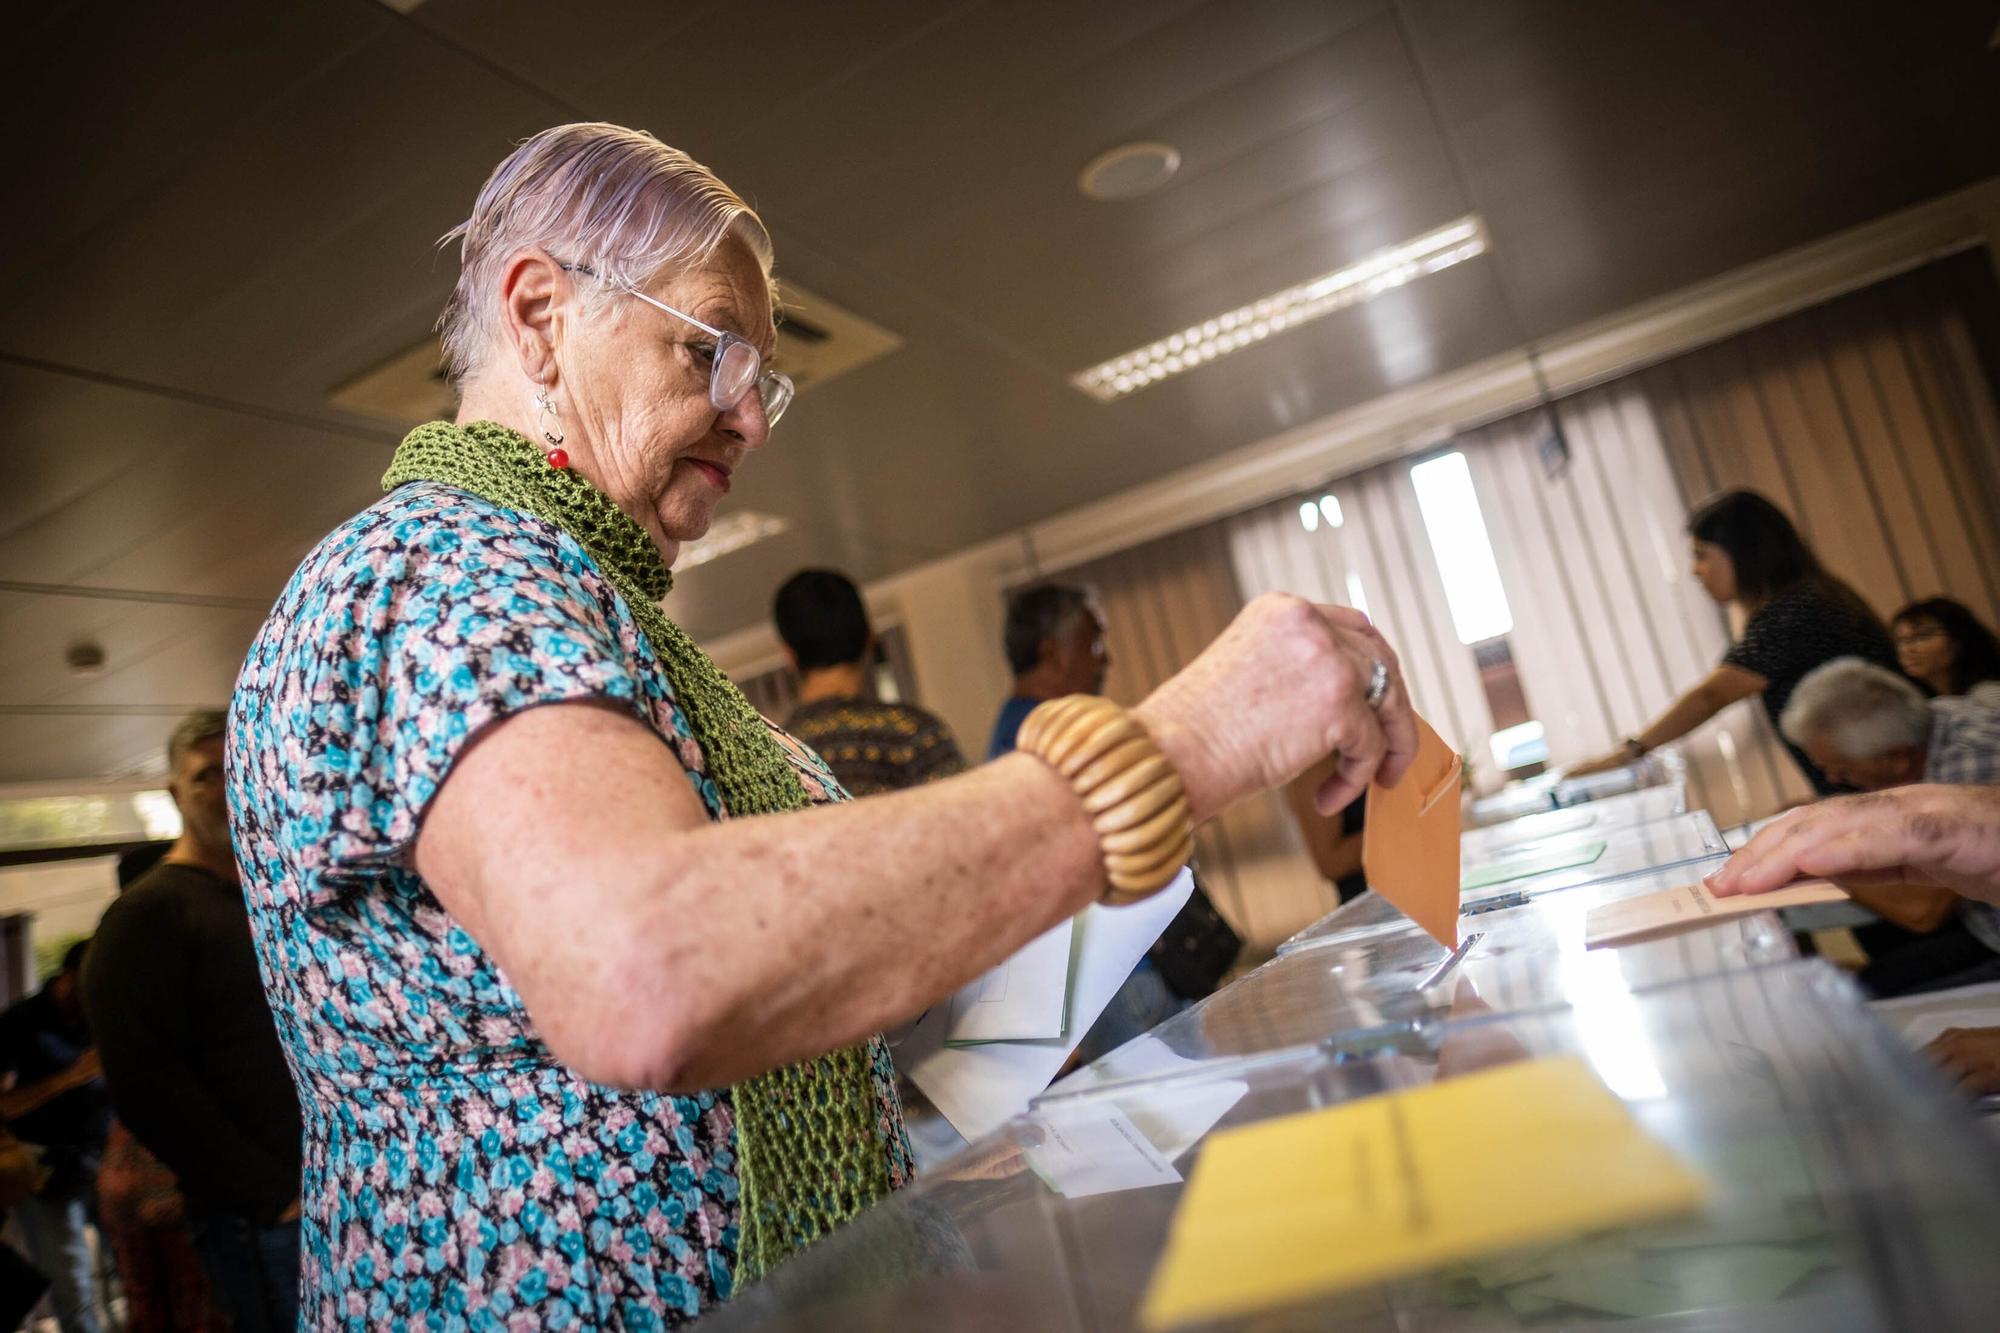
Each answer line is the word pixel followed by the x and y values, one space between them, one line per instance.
pixel 735 366
pixel 1917 634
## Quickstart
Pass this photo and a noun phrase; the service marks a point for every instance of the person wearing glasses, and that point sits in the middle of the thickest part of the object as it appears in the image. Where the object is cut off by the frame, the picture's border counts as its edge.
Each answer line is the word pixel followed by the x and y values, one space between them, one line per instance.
pixel 1942 646
pixel 578 962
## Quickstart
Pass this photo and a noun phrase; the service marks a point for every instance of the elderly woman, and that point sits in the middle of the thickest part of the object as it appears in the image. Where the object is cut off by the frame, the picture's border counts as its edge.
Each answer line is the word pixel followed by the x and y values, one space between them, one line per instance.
pixel 580 1044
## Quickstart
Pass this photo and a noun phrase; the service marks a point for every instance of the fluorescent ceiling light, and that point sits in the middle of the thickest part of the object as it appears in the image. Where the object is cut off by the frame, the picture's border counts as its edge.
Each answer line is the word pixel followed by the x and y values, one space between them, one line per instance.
pixel 731 532
pixel 1198 344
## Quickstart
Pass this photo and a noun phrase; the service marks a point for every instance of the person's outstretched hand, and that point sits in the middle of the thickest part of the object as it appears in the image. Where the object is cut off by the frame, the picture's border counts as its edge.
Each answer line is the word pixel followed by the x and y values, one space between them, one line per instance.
pixel 1923 834
pixel 1970 1057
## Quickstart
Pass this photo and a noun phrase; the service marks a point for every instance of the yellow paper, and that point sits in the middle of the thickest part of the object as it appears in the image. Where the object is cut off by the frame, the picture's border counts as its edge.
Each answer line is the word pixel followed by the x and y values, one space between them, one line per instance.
pixel 1401 1183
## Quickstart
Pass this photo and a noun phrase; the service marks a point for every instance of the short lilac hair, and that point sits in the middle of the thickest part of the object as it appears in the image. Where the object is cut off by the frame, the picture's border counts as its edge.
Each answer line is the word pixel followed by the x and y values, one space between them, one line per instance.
pixel 616 201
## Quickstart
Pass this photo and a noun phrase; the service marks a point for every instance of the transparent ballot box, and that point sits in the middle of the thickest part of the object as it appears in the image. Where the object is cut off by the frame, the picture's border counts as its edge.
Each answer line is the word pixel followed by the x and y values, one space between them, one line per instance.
pixel 1554 792
pixel 1638 849
pixel 1826 1180
pixel 1518 957
pixel 1581 821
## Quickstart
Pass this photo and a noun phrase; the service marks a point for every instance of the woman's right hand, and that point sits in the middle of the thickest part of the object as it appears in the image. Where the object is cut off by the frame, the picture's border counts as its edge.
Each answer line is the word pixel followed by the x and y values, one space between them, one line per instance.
pixel 1282 688
pixel 1921 834
pixel 1604 763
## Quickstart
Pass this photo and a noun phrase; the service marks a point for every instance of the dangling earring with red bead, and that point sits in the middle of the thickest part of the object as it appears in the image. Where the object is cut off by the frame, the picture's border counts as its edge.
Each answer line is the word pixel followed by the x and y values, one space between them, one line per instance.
pixel 552 431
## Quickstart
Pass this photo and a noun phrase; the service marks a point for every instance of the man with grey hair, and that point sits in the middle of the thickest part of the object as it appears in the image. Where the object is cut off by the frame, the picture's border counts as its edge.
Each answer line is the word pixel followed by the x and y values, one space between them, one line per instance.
pixel 1054 641
pixel 190 1049
pixel 1870 728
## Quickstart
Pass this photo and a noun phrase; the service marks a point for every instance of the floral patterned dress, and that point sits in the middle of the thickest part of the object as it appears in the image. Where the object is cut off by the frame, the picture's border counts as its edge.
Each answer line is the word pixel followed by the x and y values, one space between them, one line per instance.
pixel 456 1175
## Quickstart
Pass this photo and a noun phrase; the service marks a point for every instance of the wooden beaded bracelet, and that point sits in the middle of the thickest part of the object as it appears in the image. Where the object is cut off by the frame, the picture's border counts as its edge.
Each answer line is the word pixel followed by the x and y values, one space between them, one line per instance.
pixel 1131 791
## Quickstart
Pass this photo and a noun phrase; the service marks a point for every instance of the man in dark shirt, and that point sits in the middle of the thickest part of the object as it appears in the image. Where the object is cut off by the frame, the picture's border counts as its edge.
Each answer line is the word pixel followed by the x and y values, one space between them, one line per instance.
pixel 190 1049
pixel 57 1101
pixel 1054 639
pixel 871 746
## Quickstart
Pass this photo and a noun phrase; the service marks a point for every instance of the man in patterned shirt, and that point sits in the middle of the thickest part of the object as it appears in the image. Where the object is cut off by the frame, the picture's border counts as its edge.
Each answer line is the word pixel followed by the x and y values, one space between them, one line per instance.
pixel 1868 727
pixel 871 746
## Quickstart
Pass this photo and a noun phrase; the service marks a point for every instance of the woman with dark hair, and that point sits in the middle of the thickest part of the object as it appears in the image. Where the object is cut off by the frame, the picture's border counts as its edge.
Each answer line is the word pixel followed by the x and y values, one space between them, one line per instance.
pixel 1942 646
pixel 1796 617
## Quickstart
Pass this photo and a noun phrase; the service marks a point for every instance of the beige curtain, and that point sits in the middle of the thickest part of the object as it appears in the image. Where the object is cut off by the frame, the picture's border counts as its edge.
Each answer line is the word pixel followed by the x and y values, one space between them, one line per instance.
pixel 1608 625
pixel 1380 555
pixel 1869 419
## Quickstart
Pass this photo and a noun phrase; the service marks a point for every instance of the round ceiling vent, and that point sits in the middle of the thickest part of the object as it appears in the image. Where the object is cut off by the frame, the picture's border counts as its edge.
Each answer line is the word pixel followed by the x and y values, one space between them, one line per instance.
pixel 1128 171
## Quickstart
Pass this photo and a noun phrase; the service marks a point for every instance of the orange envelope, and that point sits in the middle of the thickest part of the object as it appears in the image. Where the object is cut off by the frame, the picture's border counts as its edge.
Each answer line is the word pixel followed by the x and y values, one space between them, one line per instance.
pixel 1409 846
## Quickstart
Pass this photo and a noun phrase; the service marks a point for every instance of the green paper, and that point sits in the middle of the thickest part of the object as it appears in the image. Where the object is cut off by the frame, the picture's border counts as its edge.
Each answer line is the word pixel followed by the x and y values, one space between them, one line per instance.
pixel 1563 858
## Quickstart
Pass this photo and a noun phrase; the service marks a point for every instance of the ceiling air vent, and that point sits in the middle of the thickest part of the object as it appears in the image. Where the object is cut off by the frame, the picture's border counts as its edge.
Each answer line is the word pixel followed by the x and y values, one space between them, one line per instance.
pixel 817 341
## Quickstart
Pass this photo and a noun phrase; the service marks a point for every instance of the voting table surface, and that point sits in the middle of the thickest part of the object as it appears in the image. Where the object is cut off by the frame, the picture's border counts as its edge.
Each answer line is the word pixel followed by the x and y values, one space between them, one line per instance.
pixel 1596 818
pixel 1637 849
pixel 1842 1185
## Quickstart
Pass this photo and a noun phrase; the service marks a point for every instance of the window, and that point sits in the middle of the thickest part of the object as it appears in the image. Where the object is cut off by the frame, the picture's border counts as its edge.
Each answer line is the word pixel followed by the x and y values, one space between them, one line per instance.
pixel 1479 611
pixel 1464 554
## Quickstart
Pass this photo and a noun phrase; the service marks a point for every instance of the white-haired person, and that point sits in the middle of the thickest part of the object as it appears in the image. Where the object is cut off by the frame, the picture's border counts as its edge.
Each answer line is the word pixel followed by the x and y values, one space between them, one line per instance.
pixel 1894 841
pixel 577 960
pixel 1873 729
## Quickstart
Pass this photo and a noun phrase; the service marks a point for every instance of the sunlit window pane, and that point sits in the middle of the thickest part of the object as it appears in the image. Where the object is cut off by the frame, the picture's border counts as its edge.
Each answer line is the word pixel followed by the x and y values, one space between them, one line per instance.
pixel 1355 598
pixel 1464 554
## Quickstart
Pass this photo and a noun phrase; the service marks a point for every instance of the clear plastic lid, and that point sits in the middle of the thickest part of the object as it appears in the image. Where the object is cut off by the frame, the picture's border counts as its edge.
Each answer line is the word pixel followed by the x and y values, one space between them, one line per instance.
pixel 1639 849
pixel 1555 792
pixel 1596 817
pixel 1846 1188
pixel 1523 956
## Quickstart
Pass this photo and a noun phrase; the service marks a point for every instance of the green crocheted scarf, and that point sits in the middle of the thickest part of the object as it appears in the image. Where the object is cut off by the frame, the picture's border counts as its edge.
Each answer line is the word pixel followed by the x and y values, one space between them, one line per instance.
pixel 809 1145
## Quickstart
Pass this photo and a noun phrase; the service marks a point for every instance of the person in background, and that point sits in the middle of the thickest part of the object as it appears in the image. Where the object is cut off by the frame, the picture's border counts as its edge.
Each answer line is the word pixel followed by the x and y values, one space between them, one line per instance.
pixel 1868 727
pixel 1925 834
pixel 871 746
pixel 57 1102
pixel 191 1051
pixel 1796 617
pixel 1942 646
pixel 1054 640
pixel 142 1213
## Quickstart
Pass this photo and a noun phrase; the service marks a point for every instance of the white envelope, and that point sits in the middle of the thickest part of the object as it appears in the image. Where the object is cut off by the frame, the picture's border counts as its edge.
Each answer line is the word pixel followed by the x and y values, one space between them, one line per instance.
pixel 978 1088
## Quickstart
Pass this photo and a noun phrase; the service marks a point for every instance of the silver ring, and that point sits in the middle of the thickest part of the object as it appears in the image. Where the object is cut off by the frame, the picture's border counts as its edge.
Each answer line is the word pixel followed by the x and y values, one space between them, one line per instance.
pixel 1378 684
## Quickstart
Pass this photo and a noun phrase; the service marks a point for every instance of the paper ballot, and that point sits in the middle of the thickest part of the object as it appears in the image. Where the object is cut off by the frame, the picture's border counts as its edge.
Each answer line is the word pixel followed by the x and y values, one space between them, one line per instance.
pixel 1026 998
pixel 1410 844
pixel 1691 907
pixel 978 1087
pixel 1397 1184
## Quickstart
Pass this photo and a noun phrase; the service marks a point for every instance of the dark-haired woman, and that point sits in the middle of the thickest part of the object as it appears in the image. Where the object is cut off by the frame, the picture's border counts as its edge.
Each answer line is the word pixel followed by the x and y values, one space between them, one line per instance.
pixel 1942 646
pixel 1796 617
